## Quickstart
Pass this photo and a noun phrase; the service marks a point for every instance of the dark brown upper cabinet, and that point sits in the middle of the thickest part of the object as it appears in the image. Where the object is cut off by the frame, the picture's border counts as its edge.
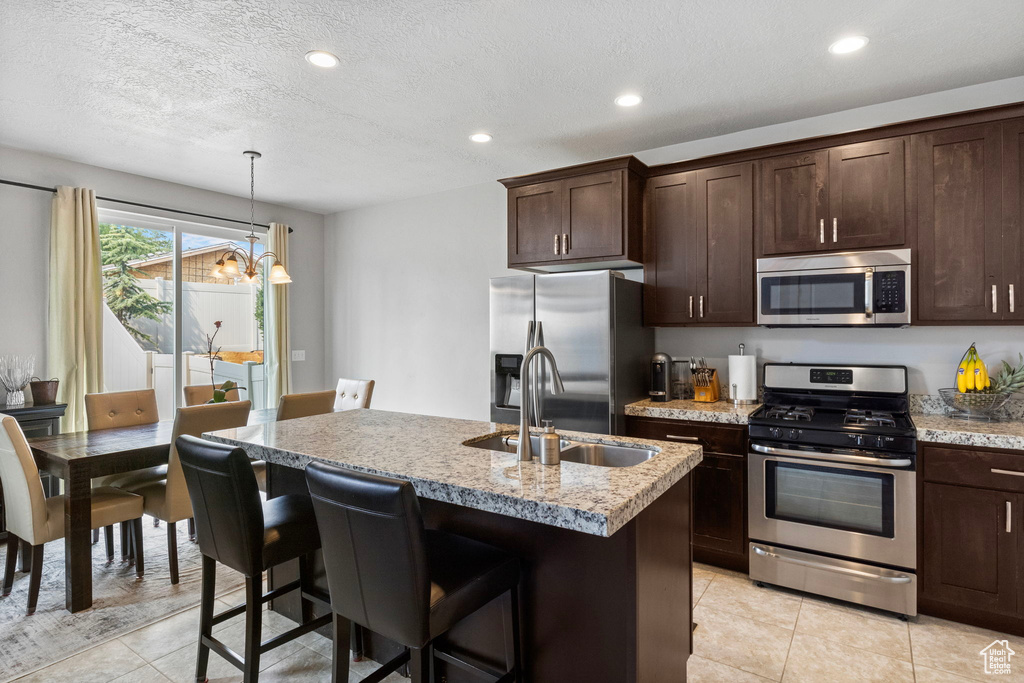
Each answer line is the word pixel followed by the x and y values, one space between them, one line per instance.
pixel 849 197
pixel 698 245
pixel 959 268
pixel 1013 219
pixel 560 220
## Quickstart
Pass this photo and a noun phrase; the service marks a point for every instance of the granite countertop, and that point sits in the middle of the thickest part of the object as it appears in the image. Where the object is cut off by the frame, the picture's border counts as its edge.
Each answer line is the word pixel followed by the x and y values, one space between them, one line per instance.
pixel 944 429
pixel 720 411
pixel 428 451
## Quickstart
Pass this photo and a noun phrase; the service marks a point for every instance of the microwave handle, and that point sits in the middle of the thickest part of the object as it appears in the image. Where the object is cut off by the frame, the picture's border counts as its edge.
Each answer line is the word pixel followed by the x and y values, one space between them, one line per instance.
pixel 869 292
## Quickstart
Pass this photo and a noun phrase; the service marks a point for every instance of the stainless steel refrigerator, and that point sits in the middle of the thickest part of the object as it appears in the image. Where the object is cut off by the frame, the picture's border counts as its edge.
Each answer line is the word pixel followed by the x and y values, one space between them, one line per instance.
pixel 591 322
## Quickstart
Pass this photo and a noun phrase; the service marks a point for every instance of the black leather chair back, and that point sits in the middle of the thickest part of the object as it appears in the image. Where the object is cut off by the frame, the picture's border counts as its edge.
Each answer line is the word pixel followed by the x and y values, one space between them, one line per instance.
pixel 371 532
pixel 225 502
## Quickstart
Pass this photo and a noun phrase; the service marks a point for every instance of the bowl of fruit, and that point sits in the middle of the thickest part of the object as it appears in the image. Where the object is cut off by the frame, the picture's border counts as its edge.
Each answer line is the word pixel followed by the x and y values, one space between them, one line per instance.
pixel 977 396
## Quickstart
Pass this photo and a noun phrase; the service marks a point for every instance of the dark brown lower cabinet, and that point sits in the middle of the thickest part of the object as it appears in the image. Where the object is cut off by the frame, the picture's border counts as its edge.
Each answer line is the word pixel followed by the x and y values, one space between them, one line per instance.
pixel 971 547
pixel 719 486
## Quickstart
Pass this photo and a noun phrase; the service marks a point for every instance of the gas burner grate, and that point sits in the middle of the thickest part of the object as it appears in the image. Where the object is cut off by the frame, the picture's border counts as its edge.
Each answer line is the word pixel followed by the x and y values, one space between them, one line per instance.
pixel 791 413
pixel 869 418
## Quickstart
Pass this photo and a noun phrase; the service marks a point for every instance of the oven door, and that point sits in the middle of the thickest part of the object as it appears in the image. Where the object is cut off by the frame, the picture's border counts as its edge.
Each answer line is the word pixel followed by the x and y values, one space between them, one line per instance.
pixel 860 512
pixel 836 296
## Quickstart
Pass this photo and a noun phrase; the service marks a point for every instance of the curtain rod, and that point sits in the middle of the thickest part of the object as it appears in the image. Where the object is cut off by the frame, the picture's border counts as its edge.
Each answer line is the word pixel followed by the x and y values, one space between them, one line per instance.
pixel 144 206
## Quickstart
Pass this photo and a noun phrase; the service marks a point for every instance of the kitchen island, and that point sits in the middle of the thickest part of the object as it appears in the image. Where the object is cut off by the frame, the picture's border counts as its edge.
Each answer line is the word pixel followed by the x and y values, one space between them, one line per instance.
pixel 606 592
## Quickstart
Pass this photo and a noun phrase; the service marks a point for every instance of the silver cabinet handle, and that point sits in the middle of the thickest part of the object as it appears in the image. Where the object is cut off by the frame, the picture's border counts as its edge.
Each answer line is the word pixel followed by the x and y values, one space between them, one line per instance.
pixel 565 243
pixel 835 230
pixel 1012 473
pixel 676 437
pixel 701 298
pixel 995 299
pixel 1009 517
pixel 778 555
pixel 1010 287
pixel 691 305
pixel 821 231
pixel 556 244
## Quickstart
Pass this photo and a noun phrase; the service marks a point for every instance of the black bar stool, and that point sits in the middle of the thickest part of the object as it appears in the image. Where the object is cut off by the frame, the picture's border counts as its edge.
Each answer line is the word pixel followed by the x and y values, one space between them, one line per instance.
pixel 237 529
pixel 392 576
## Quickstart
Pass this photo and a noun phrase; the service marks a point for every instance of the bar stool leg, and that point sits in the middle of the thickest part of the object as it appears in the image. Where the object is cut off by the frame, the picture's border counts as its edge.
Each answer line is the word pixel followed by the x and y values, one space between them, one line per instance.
pixel 340 659
pixel 172 551
pixel 13 545
pixel 253 627
pixel 206 601
pixel 421 664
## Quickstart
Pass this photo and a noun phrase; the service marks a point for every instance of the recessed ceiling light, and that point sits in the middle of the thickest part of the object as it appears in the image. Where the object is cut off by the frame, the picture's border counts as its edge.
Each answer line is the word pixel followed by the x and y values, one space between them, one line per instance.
pixel 844 45
pixel 480 137
pixel 628 100
pixel 322 59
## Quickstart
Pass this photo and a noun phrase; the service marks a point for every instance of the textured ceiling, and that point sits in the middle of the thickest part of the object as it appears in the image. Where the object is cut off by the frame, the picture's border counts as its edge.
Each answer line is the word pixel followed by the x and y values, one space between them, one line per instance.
pixel 176 89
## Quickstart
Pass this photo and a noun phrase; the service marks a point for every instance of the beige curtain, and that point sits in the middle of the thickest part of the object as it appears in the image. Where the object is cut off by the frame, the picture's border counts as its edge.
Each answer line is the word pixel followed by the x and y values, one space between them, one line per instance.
pixel 75 336
pixel 278 344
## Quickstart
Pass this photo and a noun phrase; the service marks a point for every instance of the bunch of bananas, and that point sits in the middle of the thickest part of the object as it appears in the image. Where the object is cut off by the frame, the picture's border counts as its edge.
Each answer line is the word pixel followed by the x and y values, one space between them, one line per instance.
pixel 972 375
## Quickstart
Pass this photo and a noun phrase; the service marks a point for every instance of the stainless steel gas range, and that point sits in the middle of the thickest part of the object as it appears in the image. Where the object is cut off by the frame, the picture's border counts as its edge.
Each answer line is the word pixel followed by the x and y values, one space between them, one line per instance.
pixel 832 484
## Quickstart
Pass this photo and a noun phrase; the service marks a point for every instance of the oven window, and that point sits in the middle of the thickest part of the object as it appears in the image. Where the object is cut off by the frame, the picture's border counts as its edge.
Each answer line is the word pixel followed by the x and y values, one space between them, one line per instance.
pixel 851 500
pixel 813 294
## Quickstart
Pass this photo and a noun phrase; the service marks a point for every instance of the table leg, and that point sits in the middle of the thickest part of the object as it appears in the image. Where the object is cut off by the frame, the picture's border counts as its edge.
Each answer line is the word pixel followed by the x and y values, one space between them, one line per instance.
pixel 77 539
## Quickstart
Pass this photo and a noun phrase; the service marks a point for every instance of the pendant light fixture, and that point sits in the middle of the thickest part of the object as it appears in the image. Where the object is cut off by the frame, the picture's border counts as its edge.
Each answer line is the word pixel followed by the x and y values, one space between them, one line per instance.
pixel 227 265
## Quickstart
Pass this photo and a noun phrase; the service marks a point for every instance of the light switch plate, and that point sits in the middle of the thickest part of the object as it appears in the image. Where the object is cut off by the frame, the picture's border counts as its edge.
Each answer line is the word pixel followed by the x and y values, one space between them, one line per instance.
pixel 298 355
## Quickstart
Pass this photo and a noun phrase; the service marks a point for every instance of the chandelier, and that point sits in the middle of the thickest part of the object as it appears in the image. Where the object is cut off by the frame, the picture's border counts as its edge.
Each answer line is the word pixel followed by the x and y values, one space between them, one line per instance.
pixel 227 266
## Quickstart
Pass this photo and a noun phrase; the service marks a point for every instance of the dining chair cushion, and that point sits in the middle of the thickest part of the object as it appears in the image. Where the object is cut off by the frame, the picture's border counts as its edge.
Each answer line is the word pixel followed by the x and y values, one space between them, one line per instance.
pixel 293 406
pixel 353 394
pixel 286 528
pixel 121 409
pixel 109 506
pixel 198 394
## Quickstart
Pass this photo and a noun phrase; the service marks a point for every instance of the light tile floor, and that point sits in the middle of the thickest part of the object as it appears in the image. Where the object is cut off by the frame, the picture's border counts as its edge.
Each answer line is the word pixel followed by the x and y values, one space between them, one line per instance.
pixel 745 634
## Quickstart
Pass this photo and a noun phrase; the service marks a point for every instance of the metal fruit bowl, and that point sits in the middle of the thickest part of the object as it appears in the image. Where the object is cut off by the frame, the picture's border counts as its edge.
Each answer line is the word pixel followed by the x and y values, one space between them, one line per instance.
pixel 974 406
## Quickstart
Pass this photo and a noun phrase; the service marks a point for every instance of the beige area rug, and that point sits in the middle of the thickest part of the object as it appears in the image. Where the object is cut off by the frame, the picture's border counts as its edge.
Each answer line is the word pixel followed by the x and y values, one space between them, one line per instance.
pixel 121 603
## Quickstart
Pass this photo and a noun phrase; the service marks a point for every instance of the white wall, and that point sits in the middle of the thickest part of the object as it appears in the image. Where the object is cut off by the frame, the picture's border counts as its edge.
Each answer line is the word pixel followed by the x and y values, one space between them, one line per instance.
pixel 24 249
pixel 407 283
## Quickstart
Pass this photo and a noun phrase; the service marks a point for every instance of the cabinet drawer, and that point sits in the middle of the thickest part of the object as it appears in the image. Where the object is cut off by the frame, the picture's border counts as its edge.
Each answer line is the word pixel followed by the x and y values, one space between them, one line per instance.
pixel 968 467
pixel 714 438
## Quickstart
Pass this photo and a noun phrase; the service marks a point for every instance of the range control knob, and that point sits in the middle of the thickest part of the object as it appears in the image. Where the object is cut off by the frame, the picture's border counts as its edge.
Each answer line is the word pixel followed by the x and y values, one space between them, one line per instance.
pixel 794 434
pixel 857 439
pixel 775 432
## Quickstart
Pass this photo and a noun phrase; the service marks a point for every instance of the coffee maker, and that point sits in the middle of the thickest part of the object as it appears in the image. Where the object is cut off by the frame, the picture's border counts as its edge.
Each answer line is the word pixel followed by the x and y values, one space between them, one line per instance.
pixel 661 377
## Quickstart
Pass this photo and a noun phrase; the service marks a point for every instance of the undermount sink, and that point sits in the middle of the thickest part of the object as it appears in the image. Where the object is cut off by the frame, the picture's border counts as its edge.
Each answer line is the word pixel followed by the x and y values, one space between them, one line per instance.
pixel 605 455
pixel 599 454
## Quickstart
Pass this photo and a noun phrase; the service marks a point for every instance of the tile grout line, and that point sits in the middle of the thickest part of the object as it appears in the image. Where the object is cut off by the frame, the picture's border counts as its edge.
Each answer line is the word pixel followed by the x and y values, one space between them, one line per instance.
pixel 785 664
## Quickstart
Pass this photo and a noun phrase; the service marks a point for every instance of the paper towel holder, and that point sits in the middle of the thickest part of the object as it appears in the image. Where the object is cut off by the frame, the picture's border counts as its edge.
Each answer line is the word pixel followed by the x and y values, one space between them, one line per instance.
pixel 732 392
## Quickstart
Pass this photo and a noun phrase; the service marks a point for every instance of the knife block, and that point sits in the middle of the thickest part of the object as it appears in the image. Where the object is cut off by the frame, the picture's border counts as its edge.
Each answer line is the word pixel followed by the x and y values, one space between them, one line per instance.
pixel 710 393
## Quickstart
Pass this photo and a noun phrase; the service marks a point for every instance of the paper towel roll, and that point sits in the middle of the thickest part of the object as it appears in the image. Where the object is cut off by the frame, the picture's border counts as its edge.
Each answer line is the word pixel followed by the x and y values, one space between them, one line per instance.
pixel 743 378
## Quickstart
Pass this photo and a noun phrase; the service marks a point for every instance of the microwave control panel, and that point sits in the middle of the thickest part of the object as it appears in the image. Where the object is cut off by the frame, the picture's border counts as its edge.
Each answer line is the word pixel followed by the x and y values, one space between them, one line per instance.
pixel 890 291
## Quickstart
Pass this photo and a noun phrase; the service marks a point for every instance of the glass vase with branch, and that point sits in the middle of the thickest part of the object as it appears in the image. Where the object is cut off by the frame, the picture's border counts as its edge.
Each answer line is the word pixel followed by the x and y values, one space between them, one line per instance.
pixel 220 394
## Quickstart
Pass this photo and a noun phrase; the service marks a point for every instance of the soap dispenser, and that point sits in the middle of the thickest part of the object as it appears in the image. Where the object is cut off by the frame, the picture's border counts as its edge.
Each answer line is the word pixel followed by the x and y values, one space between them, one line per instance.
pixel 550 445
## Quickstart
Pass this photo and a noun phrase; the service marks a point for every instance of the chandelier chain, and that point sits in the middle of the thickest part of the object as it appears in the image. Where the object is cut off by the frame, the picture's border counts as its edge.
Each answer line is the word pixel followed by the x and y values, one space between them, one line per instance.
pixel 252 195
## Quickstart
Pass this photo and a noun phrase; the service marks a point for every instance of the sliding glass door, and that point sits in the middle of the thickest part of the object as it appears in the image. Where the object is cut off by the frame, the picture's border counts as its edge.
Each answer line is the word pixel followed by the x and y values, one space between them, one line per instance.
pixel 164 314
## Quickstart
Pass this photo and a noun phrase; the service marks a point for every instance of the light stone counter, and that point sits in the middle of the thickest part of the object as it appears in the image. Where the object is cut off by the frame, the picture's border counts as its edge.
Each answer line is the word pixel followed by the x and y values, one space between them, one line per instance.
pixel 942 429
pixel 428 451
pixel 721 411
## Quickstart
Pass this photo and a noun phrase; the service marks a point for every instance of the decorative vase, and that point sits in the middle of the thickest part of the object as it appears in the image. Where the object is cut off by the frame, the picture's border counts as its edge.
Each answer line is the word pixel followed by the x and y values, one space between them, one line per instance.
pixel 15 398
pixel 15 372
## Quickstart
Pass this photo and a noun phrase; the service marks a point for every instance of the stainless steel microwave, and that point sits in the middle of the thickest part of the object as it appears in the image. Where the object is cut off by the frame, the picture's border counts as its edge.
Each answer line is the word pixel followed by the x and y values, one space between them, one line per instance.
pixel 835 290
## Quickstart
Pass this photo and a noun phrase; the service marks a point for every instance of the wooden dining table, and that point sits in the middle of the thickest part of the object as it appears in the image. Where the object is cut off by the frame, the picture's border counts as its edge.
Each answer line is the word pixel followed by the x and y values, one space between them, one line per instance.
pixel 76 459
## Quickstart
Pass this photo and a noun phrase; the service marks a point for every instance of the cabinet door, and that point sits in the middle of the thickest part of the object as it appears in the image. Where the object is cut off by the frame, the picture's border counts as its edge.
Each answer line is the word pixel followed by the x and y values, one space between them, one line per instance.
pixel 535 223
pixel 959 234
pixel 725 234
pixel 670 250
pixel 794 203
pixel 1013 221
pixel 719 509
pixel 969 550
pixel 867 195
pixel 593 211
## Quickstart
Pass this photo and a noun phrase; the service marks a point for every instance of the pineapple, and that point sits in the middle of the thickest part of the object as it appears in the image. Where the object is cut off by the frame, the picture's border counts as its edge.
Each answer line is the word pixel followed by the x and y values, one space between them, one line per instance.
pixel 1011 379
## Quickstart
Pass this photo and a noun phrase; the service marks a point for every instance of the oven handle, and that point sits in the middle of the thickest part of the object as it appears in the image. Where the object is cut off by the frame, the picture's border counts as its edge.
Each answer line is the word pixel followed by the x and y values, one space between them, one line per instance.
pixel 764 552
pixel 837 457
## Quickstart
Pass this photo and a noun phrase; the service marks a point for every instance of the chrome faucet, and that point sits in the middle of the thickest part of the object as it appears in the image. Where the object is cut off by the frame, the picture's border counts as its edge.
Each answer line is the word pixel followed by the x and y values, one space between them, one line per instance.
pixel 527 394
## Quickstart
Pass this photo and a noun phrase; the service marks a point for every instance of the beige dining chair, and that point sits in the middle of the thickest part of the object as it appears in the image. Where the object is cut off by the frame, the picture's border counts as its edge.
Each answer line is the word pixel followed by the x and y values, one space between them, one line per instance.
pixel 168 499
pixel 115 409
pixel 353 393
pixel 199 394
pixel 37 520
pixel 303 405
